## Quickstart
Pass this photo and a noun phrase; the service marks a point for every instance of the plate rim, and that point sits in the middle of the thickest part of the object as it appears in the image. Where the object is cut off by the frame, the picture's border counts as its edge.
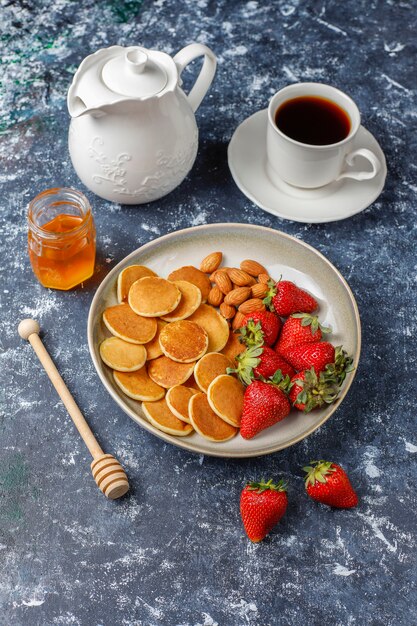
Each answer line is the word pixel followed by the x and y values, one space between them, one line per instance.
pixel 284 216
pixel 181 442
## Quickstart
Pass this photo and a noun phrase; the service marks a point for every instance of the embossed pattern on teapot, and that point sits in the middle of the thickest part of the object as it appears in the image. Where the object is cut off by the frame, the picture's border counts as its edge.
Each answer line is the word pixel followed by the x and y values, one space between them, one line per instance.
pixel 133 137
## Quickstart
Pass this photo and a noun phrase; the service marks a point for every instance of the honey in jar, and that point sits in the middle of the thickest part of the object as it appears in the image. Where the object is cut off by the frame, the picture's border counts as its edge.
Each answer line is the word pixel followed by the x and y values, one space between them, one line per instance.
pixel 62 238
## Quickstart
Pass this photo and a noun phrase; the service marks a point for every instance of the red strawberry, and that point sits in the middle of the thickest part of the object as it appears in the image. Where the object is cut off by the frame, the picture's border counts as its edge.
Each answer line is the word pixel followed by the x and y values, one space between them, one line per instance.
pixel 262 505
pixel 270 364
pixel 259 327
pixel 311 391
pixel 329 484
pixel 309 355
pixel 299 329
pixel 260 362
pixel 286 298
pixel 264 404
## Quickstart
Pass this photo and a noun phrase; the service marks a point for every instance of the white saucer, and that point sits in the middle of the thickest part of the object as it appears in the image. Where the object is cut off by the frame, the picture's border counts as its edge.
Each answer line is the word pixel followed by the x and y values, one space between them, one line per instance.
pixel 247 163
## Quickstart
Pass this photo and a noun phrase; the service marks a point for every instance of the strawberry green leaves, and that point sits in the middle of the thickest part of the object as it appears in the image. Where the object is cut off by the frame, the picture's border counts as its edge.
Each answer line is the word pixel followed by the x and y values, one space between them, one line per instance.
pixel 317 470
pixel 311 391
pixel 313 321
pixel 251 334
pixel 262 485
pixel 343 364
pixel 246 363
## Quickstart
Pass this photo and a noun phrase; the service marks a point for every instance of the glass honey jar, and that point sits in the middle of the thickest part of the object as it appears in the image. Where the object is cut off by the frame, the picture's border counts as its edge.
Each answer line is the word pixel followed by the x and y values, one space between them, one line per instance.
pixel 61 238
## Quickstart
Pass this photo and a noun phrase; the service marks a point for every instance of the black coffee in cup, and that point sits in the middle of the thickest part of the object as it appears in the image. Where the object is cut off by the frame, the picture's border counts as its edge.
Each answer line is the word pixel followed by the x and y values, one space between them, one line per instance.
pixel 313 120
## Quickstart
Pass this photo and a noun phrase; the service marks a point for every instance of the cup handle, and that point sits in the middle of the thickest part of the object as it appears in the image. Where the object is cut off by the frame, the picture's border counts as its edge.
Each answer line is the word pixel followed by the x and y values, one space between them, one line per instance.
pixel 369 156
pixel 206 75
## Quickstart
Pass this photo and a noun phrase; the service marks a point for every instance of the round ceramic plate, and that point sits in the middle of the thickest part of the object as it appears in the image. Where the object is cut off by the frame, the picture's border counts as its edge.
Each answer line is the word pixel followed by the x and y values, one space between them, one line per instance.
pixel 281 255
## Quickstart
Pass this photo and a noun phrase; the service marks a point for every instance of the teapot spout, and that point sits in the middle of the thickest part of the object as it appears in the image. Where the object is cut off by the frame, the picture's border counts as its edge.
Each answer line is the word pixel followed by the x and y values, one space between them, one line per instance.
pixel 78 108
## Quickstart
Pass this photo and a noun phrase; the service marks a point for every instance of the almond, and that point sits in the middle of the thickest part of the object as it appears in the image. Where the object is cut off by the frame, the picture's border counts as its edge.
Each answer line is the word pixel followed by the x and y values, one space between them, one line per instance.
pixel 215 297
pixel 252 267
pixel 254 304
pixel 239 277
pixel 211 262
pixel 238 295
pixel 259 290
pixel 264 278
pixel 238 320
pixel 213 274
pixel 223 281
pixel 227 310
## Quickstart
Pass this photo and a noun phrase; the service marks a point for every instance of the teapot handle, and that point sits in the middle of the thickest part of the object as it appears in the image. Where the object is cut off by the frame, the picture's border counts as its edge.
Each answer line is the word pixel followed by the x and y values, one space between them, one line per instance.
pixel 204 79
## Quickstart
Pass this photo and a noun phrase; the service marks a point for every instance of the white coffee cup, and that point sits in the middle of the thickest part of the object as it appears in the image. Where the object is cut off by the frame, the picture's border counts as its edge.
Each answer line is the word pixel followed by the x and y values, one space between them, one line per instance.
pixel 307 165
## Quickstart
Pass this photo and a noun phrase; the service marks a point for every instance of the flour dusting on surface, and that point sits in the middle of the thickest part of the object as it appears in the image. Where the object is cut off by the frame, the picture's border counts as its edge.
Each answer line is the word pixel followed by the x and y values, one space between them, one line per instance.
pixel 173 552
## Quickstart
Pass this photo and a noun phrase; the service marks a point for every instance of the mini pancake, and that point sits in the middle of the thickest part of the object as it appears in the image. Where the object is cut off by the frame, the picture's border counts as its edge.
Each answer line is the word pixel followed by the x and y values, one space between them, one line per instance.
pixel 209 367
pixel 126 324
pixel 177 399
pixel 168 373
pixel 233 347
pixel 190 301
pixel 153 296
pixel 183 341
pixel 160 416
pixel 206 422
pixel 138 385
pixel 192 275
pixel 121 355
pixel 153 348
pixel 225 396
pixel 128 276
pixel 214 324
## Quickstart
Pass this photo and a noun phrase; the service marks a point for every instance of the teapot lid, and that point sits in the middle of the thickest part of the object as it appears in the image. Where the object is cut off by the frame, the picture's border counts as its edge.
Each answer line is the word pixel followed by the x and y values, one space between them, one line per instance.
pixel 135 73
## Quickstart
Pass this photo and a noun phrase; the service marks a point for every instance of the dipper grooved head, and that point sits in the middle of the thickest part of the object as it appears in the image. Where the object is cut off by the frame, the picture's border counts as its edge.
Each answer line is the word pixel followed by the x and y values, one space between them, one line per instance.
pixel 110 476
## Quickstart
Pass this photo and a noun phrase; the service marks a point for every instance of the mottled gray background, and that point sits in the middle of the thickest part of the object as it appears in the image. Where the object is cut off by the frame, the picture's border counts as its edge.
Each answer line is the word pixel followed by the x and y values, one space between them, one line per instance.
pixel 173 552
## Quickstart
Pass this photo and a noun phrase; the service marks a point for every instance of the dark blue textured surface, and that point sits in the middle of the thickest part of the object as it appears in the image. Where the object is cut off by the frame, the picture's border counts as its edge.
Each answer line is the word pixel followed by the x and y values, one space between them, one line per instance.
pixel 174 551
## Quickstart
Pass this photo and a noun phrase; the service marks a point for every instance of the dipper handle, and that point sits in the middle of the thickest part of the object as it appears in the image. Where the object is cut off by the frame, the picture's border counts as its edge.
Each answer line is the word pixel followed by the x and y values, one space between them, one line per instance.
pixel 107 471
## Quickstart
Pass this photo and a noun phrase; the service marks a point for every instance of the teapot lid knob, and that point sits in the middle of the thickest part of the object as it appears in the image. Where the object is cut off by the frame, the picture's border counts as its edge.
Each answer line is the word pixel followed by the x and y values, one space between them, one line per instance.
pixel 136 60
pixel 134 73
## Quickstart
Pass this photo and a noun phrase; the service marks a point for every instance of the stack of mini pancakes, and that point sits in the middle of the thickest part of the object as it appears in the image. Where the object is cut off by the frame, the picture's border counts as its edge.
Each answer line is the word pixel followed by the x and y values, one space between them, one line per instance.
pixel 170 350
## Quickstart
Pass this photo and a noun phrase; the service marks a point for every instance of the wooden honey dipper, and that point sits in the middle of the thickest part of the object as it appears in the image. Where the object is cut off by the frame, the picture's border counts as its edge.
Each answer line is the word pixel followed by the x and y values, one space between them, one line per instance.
pixel 107 471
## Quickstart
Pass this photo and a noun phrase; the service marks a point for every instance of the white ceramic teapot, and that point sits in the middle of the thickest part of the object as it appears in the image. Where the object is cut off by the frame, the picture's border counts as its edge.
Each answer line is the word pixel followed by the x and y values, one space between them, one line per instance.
pixel 133 136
